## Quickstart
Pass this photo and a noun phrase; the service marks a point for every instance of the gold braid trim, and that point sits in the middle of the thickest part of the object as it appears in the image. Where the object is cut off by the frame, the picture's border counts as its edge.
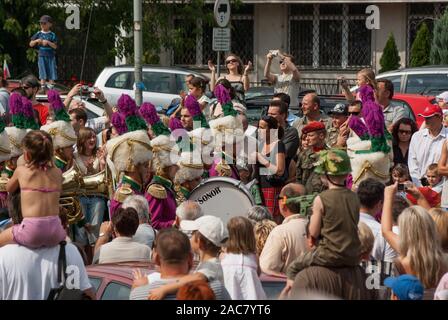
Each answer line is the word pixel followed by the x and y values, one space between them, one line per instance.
pixel 130 165
pixel 55 131
pixel 368 166
pixel 195 140
pixel 191 165
pixel 5 151
pixel 157 149
pixel 14 143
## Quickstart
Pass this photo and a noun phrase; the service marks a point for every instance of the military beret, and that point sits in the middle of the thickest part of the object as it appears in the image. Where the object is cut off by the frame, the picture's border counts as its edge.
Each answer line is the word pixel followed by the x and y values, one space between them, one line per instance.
pixel 313 126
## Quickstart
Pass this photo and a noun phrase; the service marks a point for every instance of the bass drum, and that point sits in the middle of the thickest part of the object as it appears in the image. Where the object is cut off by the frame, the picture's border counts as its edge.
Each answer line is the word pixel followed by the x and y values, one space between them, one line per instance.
pixel 223 197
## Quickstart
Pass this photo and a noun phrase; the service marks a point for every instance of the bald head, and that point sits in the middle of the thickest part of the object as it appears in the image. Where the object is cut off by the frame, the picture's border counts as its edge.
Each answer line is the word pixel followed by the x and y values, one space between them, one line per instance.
pixel 291 190
pixel 311 105
pixel 189 210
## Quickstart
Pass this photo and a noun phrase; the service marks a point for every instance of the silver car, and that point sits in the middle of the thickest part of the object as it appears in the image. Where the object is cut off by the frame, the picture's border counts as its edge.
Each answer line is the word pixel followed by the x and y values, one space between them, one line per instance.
pixel 162 84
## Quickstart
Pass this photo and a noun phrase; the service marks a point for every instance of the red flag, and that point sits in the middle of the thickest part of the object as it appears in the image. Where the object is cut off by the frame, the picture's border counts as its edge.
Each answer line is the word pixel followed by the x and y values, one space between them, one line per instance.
pixel 6 73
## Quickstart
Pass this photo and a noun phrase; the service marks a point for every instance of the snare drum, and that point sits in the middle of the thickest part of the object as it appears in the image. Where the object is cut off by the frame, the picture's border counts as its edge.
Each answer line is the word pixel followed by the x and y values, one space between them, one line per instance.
pixel 223 197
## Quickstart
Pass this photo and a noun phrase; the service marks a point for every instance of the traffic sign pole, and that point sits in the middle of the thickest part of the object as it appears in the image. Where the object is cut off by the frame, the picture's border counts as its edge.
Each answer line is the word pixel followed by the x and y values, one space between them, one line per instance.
pixel 221 36
pixel 218 71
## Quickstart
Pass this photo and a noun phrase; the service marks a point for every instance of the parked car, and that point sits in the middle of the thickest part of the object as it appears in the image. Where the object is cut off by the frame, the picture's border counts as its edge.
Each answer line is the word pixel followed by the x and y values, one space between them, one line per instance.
pixel 162 84
pixel 414 104
pixel 114 281
pixel 428 80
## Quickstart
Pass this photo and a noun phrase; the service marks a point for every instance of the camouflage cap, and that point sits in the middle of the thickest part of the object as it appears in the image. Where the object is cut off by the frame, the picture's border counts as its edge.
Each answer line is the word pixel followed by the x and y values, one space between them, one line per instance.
pixel 333 162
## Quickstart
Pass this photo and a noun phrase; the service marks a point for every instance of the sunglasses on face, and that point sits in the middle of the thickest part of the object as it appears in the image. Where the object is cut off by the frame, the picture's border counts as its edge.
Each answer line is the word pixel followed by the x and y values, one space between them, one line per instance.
pixel 281 61
pixel 231 61
pixel 404 132
pixel 354 113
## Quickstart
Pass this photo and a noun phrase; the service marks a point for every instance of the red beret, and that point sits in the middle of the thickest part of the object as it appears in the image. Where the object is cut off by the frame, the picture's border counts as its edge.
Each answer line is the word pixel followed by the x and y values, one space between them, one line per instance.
pixel 313 126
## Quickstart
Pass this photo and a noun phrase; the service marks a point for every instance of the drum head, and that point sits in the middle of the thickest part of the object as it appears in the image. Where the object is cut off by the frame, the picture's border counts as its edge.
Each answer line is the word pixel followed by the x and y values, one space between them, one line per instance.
pixel 223 197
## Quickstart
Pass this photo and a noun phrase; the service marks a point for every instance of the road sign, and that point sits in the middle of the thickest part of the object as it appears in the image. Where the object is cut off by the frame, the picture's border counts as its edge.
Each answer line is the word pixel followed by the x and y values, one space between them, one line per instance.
pixel 221 39
pixel 222 12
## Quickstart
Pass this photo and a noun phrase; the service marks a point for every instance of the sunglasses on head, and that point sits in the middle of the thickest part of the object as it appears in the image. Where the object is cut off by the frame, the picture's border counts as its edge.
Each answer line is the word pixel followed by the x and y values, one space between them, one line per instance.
pixel 231 61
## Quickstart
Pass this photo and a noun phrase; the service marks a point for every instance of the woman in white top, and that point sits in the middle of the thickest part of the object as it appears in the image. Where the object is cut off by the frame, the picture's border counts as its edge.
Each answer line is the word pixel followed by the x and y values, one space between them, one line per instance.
pixel 240 263
pixel 90 160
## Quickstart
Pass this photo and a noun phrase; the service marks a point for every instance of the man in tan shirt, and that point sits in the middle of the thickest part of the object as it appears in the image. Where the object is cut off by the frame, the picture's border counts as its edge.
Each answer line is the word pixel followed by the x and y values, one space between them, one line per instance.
pixel 288 240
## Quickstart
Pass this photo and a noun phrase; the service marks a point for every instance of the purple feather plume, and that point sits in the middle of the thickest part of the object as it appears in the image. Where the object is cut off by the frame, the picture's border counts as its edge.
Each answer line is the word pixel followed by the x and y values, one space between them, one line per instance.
pixel 222 94
pixel 372 112
pixel 356 124
pixel 55 100
pixel 27 108
pixel 15 103
pixel 119 123
pixel 127 105
pixel 149 113
pixel 193 106
pixel 175 124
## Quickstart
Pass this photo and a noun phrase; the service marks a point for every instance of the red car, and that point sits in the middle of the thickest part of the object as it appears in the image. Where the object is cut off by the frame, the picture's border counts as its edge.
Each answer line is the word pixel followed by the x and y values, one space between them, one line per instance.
pixel 114 281
pixel 414 102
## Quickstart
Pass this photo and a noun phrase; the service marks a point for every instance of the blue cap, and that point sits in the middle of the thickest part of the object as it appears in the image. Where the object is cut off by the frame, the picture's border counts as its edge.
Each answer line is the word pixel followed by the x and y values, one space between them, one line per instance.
pixel 405 287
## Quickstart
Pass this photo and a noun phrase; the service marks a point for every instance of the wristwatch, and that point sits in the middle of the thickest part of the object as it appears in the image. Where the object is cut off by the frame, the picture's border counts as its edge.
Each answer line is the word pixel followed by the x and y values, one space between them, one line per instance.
pixel 103 102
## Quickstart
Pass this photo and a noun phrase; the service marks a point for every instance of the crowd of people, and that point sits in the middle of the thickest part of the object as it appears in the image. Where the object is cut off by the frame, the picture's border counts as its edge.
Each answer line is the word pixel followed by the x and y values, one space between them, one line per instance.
pixel 339 198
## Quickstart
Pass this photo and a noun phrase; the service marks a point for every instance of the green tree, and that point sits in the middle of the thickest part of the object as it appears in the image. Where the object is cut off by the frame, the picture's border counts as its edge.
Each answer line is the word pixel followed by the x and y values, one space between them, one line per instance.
pixel 439 47
pixel 421 47
pixel 390 60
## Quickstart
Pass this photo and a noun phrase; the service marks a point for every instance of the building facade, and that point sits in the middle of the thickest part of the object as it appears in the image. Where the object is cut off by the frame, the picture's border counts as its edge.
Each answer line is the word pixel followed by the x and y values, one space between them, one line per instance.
pixel 327 38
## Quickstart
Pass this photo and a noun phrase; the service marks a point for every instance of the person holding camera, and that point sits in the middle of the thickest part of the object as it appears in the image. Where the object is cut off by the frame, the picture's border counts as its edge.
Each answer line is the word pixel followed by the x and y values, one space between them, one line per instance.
pixel 286 82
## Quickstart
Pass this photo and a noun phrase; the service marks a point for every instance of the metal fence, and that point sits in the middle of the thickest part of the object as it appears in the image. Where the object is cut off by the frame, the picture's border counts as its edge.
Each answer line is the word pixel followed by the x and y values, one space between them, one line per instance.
pixel 417 14
pixel 197 50
pixel 322 86
pixel 329 36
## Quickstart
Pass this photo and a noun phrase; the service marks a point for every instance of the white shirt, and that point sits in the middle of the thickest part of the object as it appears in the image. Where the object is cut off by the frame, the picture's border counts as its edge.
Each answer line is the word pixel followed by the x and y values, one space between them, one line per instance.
pixel 240 277
pixel 30 274
pixel 382 251
pixel 123 249
pixel 286 83
pixel 423 151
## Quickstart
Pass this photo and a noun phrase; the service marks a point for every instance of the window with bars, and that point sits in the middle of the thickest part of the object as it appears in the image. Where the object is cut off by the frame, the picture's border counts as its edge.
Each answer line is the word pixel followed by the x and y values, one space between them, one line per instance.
pixel 417 14
pixel 329 36
pixel 196 50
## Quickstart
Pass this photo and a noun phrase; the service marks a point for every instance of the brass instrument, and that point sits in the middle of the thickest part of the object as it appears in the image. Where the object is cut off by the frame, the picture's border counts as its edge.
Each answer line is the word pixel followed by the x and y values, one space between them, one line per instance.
pixel 97 184
pixel 71 184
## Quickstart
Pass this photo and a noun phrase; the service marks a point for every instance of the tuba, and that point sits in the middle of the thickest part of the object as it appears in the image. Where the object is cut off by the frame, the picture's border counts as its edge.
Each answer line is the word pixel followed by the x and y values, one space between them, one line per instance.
pixel 71 186
pixel 97 184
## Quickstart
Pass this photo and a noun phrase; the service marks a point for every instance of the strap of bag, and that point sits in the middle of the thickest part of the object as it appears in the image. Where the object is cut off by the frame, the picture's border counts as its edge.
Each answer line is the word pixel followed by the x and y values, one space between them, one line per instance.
pixel 62 263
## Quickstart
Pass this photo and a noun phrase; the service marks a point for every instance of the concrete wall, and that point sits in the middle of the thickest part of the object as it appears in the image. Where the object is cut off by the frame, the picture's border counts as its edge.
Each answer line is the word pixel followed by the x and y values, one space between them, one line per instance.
pixel 393 18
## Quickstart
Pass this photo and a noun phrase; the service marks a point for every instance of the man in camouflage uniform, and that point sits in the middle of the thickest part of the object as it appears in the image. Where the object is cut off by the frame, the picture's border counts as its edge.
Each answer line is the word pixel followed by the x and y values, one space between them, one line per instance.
pixel 337 134
pixel 305 175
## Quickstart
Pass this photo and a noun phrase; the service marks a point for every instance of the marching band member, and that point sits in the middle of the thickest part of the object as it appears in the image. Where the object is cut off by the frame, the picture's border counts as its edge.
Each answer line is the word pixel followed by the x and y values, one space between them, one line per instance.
pixel 229 134
pixel 189 175
pixel 160 193
pixel 62 133
pixel 130 152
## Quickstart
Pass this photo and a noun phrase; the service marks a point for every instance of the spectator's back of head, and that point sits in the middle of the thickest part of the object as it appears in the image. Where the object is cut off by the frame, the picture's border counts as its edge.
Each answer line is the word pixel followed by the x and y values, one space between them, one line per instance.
pixel 172 246
pixel 293 190
pixel 195 290
pixel 441 219
pixel 370 193
pixel 125 222
pixel 367 240
pixel 400 204
pixel 283 97
pixel 241 236
pixel 262 230
pixel 139 204
pixel 258 214
pixel 189 210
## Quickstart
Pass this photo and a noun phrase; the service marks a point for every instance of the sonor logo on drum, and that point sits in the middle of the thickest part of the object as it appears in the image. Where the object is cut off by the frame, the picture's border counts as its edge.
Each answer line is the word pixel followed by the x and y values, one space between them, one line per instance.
pixel 209 195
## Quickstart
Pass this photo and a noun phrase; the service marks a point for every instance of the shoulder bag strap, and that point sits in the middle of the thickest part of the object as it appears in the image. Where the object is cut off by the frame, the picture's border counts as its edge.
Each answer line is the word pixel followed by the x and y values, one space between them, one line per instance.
pixel 62 263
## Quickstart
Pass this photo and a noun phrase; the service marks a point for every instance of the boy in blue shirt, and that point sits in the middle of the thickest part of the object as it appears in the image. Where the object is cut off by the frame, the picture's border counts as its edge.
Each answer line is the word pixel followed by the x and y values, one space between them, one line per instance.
pixel 46 42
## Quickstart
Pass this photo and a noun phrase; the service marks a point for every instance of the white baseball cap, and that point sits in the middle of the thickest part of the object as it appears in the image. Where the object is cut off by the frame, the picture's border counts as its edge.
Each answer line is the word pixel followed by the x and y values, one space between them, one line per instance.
pixel 212 228
pixel 443 96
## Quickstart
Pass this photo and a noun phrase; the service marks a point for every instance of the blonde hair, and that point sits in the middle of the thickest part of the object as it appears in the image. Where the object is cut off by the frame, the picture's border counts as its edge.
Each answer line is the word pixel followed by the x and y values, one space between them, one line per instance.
pixel 366 238
pixel 262 229
pixel 241 236
pixel 369 74
pixel 441 220
pixel 420 243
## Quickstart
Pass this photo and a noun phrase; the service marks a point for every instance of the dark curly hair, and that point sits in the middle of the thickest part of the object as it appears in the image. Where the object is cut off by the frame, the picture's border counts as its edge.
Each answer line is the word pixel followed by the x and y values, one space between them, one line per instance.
pixel 396 126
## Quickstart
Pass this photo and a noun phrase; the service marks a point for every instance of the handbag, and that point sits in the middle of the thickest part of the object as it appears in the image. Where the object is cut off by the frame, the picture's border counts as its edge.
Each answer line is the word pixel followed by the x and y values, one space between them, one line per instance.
pixel 62 292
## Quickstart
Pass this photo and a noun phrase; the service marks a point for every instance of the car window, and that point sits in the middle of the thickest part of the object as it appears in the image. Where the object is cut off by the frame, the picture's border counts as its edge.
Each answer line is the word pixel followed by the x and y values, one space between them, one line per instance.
pixel 396 81
pixel 95 282
pixel 425 83
pixel 273 289
pixel 116 291
pixel 159 82
pixel 120 80
pixel 409 113
pixel 181 85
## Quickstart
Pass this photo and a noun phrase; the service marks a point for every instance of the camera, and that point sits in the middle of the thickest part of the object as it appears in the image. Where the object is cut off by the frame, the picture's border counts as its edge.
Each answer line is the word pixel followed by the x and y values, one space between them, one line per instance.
pixel 401 187
pixel 87 89
pixel 274 52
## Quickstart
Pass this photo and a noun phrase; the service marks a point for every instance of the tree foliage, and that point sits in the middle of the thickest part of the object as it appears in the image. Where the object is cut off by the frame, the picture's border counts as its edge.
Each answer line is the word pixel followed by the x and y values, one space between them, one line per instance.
pixel 390 60
pixel 110 30
pixel 421 47
pixel 439 47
